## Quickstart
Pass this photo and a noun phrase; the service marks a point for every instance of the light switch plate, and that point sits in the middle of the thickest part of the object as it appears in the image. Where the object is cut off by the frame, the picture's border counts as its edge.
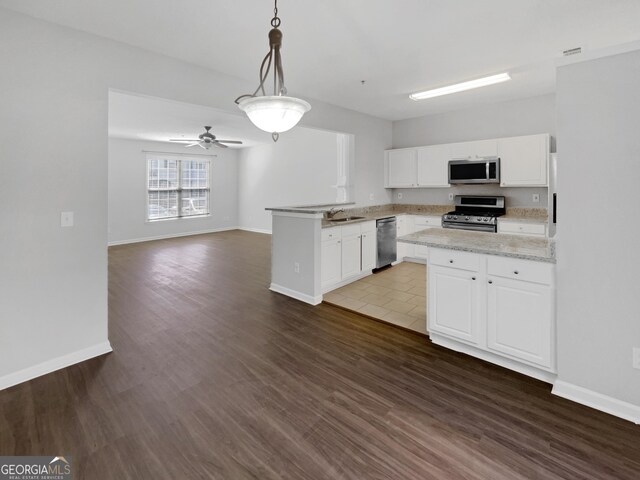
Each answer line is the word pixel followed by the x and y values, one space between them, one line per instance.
pixel 535 198
pixel 451 196
pixel 399 195
pixel 66 219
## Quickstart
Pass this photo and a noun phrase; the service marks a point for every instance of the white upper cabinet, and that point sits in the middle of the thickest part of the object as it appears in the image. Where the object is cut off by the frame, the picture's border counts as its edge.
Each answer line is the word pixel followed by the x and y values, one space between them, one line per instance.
pixel 474 150
pixel 524 161
pixel 401 168
pixel 433 166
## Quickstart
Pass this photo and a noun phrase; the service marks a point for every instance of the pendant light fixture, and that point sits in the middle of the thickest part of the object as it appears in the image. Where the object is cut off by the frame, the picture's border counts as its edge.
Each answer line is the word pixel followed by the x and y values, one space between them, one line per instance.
pixel 275 113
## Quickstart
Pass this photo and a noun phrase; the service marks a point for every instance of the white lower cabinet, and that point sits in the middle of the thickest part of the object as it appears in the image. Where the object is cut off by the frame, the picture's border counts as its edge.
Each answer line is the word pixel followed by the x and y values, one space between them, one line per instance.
pixel 346 253
pixel 331 255
pixel 454 303
pixel 369 249
pixel 519 320
pixel 499 305
pixel 351 255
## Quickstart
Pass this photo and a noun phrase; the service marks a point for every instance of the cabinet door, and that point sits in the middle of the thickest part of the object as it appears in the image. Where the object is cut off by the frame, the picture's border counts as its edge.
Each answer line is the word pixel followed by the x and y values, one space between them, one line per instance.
pixel 474 150
pixel 519 320
pixel 402 168
pixel 331 258
pixel 401 229
pixel 433 166
pixel 454 303
pixel 369 251
pixel 351 256
pixel 524 161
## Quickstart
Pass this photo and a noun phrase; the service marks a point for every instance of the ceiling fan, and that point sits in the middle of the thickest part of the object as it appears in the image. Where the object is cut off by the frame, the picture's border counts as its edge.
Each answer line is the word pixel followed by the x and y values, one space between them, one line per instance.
pixel 206 140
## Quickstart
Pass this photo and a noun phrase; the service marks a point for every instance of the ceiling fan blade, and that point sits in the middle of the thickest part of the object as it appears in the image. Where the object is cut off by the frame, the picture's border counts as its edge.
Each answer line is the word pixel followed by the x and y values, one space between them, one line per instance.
pixel 219 145
pixel 236 142
pixel 192 145
pixel 184 140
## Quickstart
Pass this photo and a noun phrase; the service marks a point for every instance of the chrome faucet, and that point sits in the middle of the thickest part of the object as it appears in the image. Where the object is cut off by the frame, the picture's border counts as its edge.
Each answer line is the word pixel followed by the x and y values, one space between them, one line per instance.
pixel 333 212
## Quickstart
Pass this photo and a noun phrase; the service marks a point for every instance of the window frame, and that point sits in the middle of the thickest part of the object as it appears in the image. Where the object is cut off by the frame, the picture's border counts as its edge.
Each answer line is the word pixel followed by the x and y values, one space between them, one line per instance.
pixel 179 158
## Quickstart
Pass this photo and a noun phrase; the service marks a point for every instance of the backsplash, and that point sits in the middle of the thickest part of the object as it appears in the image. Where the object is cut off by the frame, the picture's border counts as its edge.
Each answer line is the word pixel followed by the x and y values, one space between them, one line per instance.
pixel 515 197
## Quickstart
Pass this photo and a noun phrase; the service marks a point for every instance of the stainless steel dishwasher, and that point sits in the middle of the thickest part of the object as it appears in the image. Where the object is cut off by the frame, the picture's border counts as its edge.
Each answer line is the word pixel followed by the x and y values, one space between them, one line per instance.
pixel 386 235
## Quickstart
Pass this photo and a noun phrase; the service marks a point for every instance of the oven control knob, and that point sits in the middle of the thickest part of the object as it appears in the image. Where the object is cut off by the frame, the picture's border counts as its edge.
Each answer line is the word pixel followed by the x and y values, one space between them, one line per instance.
pixel 486 219
pixel 455 218
pixel 466 218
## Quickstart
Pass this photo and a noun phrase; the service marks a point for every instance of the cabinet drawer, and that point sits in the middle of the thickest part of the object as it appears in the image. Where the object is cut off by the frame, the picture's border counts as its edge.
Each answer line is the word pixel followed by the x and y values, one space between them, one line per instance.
pixel 522 228
pixel 429 221
pixel 329 234
pixel 526 270
pixel 366 227
pixel 455 259
pixel 351 230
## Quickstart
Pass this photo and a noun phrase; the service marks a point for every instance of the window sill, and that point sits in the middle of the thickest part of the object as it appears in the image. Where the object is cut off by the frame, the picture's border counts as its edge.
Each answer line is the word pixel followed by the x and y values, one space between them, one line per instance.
pixel 155 220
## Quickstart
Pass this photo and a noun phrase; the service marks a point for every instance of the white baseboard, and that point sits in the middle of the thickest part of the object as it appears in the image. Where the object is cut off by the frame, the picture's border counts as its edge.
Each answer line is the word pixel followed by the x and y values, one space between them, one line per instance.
pixel 255 230
pixel 514 365
pixel 54 364
pixel 303 297
pixel 604 403
pixel 170 235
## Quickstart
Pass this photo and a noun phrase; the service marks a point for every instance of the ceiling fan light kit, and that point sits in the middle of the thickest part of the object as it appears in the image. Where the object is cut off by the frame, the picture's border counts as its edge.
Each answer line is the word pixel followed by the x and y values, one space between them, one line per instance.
pixel 275 113
pixel 461 87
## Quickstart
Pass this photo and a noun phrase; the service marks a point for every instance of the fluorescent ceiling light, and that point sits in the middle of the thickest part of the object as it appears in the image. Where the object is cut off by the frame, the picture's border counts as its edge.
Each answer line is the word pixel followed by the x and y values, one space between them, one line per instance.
pixel 461 87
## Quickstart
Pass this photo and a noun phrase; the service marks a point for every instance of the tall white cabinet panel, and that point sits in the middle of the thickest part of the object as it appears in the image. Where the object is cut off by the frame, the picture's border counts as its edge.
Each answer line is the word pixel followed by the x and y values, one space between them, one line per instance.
pixel 331 262
pixel 369 250
pixel 401 168
pixel 519 320
pixel 524 161
pixel 351 256
pixel 433 166
pixel 454 303
pixel 474 150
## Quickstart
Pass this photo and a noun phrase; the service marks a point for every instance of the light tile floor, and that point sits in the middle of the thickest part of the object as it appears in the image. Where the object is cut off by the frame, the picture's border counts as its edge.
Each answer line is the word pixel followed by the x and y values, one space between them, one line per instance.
pixel 396 295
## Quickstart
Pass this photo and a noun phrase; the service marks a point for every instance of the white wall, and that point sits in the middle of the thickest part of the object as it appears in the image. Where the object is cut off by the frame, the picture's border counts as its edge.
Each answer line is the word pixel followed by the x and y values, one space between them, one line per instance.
pixel 53 281
pixel 506 119
pixel 300 169
pixel 598 108
pixel 127 193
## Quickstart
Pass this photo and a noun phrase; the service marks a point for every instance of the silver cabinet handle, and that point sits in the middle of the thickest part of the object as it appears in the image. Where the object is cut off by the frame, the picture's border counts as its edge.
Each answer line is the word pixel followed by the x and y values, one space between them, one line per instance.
pixel 490 281
pixel 473 278
pixel 516 272
pixel 450 261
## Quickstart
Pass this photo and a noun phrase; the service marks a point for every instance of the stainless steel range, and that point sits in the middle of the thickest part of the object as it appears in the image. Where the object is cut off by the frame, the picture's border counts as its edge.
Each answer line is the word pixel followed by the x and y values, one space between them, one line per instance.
pixel 475 212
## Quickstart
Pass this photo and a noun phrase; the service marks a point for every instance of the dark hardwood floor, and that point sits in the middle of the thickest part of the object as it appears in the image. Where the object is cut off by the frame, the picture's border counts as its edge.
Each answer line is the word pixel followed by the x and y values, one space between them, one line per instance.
pixel 215 377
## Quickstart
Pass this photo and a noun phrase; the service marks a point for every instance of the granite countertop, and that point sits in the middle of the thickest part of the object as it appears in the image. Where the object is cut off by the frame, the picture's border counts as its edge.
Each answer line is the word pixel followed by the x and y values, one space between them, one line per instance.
pixel 383 211
pixel 516 246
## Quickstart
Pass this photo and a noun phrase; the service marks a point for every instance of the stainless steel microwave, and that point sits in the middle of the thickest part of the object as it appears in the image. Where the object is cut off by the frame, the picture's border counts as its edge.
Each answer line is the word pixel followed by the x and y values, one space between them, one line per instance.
pixel 486 170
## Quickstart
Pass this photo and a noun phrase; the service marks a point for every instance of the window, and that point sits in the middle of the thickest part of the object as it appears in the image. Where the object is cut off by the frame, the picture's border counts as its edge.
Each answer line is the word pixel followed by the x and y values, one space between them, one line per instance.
pixel 178 186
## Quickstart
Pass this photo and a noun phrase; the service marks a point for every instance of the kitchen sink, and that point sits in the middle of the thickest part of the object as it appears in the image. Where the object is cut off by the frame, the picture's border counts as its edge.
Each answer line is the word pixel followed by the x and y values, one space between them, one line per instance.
pixel 346 219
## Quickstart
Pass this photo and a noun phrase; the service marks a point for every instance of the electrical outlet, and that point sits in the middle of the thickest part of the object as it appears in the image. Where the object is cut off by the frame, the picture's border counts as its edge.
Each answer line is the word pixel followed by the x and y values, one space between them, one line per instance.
pixel 371 196
pixel 296 267
pixel 399 195
pixel 451 196
pixel 636 358
pixel 66 219
pixel 535 198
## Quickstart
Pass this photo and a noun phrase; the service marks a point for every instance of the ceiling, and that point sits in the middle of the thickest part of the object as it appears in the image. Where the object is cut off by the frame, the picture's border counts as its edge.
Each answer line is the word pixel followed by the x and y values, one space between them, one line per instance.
pixel 137 117
pixel 398 46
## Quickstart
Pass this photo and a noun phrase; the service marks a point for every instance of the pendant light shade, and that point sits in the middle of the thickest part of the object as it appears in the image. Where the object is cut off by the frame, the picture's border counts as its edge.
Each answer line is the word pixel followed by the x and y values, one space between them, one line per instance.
pixel 274 114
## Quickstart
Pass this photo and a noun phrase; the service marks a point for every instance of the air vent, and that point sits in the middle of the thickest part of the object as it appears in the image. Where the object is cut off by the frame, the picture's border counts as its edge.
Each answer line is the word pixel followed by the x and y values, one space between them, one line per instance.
pixel 572 51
